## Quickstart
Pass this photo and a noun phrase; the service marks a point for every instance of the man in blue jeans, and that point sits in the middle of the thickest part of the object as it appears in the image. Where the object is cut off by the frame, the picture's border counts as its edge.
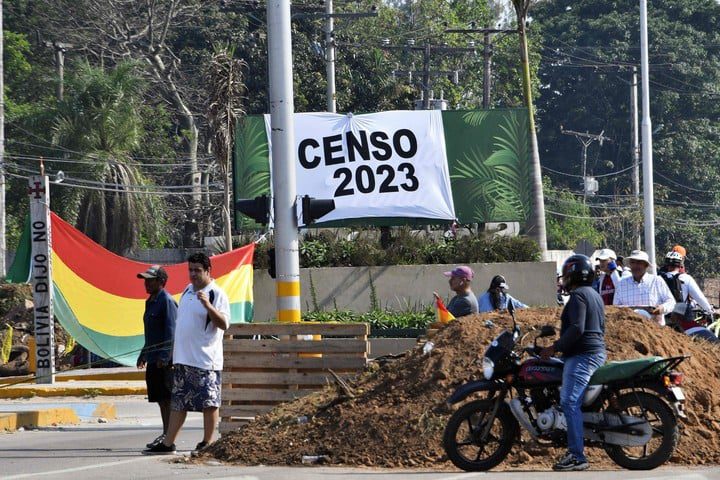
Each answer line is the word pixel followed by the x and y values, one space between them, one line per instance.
pixel 582 342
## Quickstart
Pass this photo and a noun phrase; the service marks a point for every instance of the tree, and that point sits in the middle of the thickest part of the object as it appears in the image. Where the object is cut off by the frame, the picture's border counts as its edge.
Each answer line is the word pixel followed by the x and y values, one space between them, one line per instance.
pixel 99 121
pixel 590 48
pixel 570 220
pixel 225 87
pixel 536 222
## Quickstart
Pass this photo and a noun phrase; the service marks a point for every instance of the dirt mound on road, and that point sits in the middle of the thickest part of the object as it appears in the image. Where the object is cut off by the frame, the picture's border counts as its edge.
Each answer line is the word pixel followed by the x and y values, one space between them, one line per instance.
pixel 398 414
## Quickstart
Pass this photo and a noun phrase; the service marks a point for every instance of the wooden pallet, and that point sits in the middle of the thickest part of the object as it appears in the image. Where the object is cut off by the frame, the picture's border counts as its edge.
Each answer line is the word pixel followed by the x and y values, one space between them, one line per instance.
pixel 270 363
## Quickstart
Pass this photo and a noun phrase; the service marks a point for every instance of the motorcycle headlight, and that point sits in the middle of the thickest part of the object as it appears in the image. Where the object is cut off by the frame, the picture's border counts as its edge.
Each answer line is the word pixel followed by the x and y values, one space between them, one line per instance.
pixel 488 367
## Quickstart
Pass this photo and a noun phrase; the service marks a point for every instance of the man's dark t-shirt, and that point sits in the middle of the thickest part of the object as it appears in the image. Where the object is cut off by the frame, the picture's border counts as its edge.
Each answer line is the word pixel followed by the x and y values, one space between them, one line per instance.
pixel 463 304
pixel 583 323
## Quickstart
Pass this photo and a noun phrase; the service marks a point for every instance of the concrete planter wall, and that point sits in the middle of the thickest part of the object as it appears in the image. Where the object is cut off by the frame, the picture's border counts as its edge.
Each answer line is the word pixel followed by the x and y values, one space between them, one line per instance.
pixel 402 287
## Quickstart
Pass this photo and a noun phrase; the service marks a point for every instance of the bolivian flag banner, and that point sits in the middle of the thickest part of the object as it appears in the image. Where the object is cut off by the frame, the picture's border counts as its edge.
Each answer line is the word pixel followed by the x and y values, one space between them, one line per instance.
pixel 100 301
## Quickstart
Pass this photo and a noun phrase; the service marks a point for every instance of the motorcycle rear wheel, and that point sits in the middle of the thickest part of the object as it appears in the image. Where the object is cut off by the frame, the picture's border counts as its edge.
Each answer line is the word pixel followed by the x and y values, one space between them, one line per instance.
pixel 665 432
pixel 462 442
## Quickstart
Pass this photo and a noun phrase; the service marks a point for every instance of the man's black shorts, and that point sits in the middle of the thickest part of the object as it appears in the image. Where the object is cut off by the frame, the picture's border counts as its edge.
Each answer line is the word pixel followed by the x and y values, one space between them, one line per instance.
pixel 159 382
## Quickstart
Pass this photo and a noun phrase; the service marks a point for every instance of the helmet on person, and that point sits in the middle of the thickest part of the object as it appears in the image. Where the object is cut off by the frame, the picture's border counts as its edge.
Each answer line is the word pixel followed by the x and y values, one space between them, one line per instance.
pixel 674 259
pixel 577 271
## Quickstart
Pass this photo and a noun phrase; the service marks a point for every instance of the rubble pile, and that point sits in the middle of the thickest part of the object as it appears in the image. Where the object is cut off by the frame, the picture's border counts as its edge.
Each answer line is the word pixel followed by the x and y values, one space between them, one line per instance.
pixel 395 414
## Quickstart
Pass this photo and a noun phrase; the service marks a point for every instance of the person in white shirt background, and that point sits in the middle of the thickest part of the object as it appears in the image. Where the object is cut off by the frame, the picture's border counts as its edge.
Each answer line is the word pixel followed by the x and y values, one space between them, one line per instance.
pixel 690 292
pixel 643 289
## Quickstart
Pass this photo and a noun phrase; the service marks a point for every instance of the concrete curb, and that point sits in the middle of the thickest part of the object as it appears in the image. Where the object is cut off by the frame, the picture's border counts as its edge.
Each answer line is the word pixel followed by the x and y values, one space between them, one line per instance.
pixel 11 421
pixel 81 377
pixel 28 391
pixel 58 414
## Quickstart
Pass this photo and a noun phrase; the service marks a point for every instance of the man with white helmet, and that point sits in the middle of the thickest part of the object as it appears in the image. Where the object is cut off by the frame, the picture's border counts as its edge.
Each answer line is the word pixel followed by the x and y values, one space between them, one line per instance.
pixel 688 296
pixel 644 290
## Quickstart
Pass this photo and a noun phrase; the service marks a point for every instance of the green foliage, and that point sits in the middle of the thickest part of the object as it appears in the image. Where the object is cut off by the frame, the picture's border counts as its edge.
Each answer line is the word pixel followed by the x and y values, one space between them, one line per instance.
pixel 570 221
pixel 378 319
pixel 589 49
pixel 328 249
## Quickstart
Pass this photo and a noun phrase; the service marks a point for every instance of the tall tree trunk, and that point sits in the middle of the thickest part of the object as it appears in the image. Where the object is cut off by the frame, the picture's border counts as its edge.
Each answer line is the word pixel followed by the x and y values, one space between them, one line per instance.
pixel 535 225
pixel 193 228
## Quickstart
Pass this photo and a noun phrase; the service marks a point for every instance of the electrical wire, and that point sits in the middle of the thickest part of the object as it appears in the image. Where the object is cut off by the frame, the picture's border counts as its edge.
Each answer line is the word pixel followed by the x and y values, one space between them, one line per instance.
pixel 118 190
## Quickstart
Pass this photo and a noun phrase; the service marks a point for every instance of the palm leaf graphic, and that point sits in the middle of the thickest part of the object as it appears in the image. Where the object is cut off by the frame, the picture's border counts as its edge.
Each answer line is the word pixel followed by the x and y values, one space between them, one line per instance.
pixel 252 169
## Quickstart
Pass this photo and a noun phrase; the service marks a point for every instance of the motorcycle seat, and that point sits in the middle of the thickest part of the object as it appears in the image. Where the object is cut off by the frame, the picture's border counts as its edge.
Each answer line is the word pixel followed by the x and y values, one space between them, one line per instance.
pixel 614 371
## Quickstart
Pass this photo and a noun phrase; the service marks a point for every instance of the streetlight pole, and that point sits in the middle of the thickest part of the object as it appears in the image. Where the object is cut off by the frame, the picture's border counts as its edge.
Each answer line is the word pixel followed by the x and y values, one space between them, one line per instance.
pixel 647 159
pixel 635 149
pixel 283 161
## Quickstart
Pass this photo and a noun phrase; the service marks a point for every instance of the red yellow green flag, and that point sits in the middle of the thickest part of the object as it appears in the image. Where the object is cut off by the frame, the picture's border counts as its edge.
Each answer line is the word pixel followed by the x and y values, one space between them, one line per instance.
pixel 442 314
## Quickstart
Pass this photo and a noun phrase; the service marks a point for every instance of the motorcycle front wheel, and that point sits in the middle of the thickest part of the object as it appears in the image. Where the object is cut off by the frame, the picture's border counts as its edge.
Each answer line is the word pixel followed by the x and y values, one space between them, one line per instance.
pixel 665 432
pixel 475 442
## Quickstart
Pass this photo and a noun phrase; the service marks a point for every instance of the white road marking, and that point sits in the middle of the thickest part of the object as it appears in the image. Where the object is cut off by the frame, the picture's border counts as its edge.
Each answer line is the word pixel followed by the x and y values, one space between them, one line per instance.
pixel 80 469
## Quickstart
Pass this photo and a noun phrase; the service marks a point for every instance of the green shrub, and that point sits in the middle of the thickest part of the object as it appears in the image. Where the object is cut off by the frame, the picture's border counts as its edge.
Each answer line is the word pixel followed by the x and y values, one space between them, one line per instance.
pixel 329 249
pixel 378 319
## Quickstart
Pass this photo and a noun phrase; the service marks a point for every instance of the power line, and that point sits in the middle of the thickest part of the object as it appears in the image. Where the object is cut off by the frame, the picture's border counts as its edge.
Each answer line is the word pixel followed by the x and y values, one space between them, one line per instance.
pixel 117 190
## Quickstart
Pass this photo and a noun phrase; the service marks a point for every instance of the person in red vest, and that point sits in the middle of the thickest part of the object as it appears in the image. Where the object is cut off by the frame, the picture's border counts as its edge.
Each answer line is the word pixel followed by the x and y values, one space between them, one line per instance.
pixel 608 277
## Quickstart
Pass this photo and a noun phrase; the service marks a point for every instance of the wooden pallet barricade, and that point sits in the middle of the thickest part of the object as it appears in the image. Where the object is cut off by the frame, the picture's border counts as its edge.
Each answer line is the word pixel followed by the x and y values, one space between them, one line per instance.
pixel 270 363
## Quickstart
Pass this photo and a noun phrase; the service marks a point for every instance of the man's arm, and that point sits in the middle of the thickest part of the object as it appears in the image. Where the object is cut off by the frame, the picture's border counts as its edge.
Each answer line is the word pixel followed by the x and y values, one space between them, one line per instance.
pixel 516 303
pixel 577 310
pixel 619 297
pixel 696 294
pixel 219 316
pixel 169 330
pixel 666 301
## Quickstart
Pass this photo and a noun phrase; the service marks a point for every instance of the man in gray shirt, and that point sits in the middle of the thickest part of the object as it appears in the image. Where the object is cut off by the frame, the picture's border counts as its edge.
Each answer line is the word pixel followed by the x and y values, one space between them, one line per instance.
pixel 464 302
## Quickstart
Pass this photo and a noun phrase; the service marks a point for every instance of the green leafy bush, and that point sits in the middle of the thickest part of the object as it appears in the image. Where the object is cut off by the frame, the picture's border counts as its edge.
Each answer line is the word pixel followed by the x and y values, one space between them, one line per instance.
pixel 329 249
pixel 378 319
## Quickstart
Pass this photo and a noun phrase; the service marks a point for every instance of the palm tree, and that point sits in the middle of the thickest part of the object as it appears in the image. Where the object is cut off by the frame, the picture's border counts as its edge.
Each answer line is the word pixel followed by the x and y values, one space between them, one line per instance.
pixel 99 120
pixel 225 86
pixel 536 222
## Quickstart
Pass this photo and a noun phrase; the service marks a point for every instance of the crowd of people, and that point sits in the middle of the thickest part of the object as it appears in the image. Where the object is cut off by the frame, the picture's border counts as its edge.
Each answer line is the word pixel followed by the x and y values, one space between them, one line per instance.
pixel 672 296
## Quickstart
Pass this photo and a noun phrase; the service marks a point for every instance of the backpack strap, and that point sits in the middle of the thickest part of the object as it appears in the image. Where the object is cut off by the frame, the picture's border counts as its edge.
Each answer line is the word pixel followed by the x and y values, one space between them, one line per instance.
pixel 211 297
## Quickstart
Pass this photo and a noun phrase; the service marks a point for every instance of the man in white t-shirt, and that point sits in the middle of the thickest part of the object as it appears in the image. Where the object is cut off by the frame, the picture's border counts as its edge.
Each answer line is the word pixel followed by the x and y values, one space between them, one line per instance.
pixel 202 317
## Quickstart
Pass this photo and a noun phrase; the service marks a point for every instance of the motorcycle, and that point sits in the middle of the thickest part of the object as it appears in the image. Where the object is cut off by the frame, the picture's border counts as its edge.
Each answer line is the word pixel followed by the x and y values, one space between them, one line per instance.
pixel 630 408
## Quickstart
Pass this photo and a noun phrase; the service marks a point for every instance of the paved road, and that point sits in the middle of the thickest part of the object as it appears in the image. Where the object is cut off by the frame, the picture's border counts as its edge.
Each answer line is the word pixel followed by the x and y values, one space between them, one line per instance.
pixel 112 451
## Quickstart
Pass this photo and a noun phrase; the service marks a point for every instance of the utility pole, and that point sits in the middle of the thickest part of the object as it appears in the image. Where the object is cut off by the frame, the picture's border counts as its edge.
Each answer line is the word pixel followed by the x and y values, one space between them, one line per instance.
pixel 330 56
pixel 647 158
pixel 284 185
pixel 59 48
pixel 585 139
pixel 487 55
pixel 3 243
pixel 635 148
pixel 427 73
pixel 329 15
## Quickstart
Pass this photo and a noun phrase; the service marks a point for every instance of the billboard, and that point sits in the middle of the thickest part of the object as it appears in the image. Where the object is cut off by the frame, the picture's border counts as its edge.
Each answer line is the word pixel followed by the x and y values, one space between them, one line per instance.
pixel 399 167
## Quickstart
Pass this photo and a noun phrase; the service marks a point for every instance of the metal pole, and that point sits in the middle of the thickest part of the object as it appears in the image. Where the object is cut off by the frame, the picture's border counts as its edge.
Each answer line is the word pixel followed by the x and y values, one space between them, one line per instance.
pixel 647 160
pixel 487 54
pixel 60 65
pixel 330 57
pixel 584 167
pixel 635 149
pixel 283 161
pixel 426 77
pixel 3 244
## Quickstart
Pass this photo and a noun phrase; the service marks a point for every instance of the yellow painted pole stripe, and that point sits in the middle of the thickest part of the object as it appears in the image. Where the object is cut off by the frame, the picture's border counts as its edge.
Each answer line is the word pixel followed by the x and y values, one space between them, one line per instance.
pixel 288 316
pixel 288 289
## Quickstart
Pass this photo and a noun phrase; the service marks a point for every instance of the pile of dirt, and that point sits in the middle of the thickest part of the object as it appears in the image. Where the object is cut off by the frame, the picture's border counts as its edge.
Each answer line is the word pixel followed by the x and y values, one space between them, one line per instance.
pixel 16 312
pixel 398 414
